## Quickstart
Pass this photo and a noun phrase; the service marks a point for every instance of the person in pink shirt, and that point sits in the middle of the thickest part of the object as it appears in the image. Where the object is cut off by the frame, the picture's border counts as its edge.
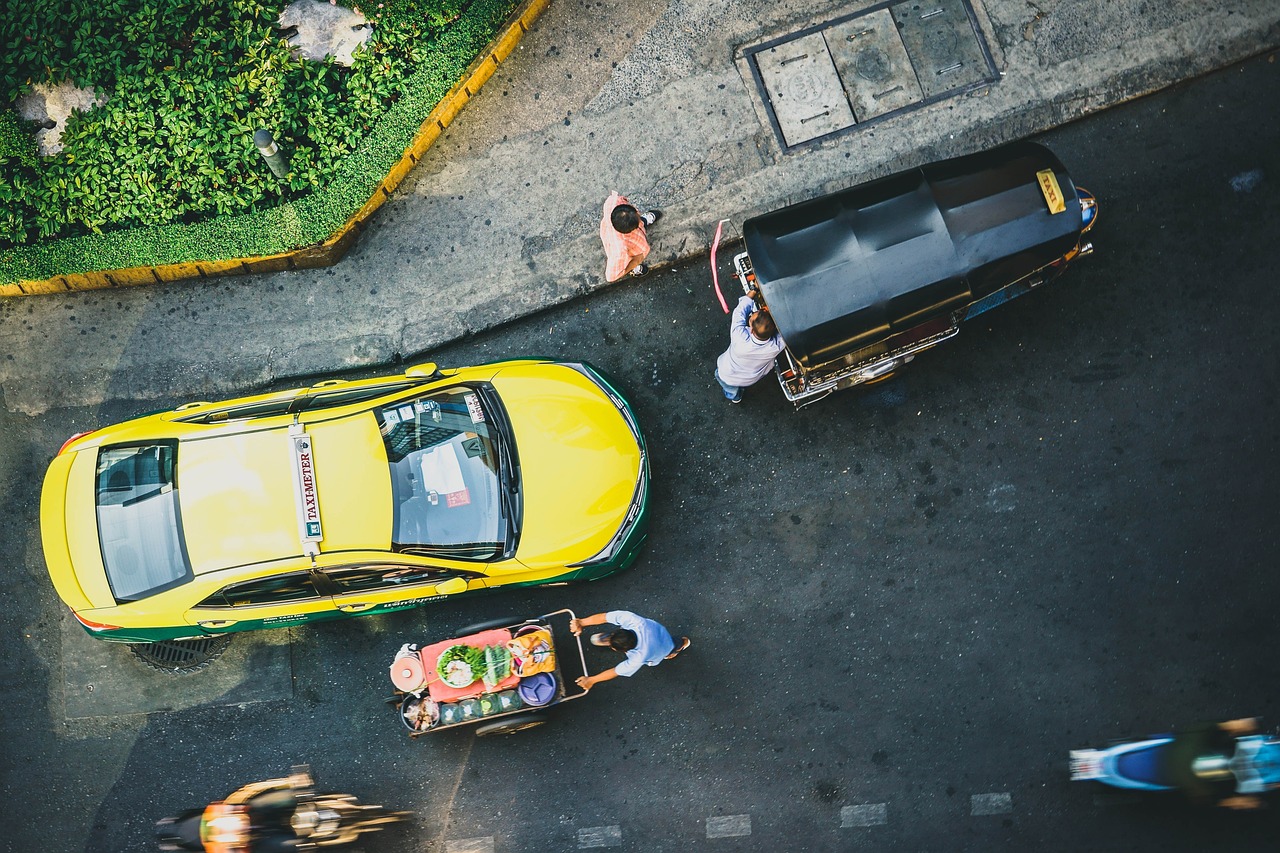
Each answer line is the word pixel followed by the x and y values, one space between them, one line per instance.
pixel 626 243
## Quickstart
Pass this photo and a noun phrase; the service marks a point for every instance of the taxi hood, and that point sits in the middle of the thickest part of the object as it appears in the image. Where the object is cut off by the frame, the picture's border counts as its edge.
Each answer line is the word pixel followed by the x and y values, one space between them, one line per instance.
pixel 579 462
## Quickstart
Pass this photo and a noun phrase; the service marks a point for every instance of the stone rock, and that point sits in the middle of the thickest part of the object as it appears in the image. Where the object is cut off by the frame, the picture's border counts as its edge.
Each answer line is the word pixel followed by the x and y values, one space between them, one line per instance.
pixel 324 29
pixel 54 103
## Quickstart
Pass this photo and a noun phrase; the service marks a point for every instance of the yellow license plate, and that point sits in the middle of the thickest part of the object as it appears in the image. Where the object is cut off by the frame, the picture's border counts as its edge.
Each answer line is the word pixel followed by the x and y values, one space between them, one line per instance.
pixel 1051 191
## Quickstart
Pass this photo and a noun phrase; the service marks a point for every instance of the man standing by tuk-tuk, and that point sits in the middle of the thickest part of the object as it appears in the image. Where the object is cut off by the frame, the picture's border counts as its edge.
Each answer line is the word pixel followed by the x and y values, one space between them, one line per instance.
pixel 754 343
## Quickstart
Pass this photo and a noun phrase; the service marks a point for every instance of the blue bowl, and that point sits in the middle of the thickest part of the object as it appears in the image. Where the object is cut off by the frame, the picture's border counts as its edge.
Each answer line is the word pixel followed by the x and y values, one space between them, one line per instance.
pixel 537 689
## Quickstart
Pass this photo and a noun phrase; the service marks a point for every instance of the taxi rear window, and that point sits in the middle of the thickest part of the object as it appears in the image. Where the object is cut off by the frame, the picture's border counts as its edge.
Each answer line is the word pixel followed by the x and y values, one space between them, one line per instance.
pixel 139 528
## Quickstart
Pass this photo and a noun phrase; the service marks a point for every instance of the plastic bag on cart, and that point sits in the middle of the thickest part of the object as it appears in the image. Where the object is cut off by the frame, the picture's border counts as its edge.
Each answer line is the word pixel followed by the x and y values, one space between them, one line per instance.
pixel 497 665
pixel 532 652
pixel 500 703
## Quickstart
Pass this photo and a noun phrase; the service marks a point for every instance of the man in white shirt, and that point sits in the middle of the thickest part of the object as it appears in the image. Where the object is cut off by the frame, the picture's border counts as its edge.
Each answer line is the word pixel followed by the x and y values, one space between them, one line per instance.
pixel 754 343
pixel 644 641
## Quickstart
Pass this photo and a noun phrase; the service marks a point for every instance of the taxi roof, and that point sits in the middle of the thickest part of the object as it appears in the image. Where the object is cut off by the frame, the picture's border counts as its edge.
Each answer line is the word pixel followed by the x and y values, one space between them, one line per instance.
pixel 237 498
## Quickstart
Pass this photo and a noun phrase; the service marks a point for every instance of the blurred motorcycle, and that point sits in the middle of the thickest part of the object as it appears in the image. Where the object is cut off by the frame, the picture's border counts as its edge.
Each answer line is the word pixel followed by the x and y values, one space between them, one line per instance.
pixel 1227 764
pixel 273 816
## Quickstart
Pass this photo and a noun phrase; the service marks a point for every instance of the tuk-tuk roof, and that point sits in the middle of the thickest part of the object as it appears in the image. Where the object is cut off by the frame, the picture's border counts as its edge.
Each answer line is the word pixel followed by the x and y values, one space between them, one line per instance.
pixel 849 269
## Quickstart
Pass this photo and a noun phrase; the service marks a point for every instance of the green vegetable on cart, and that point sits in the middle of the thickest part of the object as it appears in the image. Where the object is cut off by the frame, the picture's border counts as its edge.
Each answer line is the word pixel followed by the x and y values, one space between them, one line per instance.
pixel 460 665
pixel 497 665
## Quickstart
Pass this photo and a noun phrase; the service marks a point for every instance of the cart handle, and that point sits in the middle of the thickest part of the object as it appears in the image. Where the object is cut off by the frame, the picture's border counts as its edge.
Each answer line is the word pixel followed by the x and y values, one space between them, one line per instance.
pixel 582 655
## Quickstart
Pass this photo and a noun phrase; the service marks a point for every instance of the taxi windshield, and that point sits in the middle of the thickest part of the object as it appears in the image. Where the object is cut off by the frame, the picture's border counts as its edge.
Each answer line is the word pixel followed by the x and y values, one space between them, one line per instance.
pixel 447 484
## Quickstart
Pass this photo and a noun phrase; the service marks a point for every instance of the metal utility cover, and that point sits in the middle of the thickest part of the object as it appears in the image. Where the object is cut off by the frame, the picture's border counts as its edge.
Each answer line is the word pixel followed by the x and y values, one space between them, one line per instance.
pixel 804 89
pixel 942 43
pixel 873 63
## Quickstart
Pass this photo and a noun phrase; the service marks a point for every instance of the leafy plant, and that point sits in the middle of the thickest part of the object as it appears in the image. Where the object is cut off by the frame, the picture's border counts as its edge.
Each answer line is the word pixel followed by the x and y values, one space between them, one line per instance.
pixel 187 84
pixel 16 143
pixel 283 217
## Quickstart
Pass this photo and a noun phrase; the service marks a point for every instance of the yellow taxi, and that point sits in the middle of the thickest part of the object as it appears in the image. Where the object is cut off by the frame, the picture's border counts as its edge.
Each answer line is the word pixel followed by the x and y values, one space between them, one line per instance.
pixel 345 498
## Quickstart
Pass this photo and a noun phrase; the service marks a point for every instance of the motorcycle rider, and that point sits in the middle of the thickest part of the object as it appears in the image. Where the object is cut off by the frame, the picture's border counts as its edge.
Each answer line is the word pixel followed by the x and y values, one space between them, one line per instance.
pixel 256 818
pixel 1200 758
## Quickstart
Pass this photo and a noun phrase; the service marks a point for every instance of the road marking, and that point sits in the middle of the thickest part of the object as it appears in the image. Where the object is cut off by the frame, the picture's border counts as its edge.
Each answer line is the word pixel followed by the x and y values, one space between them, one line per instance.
pixel 599 836
pixel 469 845
pixel 988 804
pixel 867 814
pixel 729 826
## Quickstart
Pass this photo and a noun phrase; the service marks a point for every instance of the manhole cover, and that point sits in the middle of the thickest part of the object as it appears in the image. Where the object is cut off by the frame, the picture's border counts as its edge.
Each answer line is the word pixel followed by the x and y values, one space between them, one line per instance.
pixel 874 65
pixel 834 76
pixel 943 44
pixel 181 656
pixel 804 89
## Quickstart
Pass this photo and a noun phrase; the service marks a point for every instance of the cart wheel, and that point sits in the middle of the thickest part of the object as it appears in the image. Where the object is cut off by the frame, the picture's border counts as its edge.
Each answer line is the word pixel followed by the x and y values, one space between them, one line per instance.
pixel 511 725
pixel 489 626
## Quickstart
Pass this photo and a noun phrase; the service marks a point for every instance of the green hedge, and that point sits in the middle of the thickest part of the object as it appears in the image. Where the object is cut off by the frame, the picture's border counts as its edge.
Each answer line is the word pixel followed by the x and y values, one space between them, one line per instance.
pixel 17 146
pixel 308 219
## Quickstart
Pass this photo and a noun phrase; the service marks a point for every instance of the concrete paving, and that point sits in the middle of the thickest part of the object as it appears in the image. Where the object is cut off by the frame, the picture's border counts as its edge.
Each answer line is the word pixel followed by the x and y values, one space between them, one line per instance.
pixel 655 99
pixel 108 680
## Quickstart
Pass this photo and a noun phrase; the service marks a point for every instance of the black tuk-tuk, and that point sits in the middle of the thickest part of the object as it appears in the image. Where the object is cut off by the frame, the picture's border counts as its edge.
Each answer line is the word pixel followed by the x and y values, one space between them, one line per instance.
pixel 861 281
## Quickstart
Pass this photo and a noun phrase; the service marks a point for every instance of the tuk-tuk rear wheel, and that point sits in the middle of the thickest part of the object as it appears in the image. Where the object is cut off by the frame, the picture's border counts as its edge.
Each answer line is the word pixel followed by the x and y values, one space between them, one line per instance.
pixel 879 379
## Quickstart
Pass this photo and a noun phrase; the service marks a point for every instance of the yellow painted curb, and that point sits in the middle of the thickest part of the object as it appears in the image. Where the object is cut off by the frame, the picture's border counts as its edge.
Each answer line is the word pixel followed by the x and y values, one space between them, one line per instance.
pixel 331 250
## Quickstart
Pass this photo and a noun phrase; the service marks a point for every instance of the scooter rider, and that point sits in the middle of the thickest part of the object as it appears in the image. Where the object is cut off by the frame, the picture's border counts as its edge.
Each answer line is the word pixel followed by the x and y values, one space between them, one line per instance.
pixel 1200 759
pixel 256 818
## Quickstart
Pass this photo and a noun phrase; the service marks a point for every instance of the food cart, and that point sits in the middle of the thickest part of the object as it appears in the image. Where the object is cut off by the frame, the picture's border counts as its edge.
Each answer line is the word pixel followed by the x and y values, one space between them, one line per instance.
pixel 501 675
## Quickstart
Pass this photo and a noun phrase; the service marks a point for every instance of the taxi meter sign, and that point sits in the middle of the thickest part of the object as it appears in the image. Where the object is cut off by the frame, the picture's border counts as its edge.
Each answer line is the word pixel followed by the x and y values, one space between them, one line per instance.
pixel 306 499
pixel 1051 191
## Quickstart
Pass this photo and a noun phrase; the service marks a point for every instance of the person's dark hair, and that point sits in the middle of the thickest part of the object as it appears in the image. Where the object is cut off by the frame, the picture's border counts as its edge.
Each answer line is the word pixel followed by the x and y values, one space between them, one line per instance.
pixel 763 326
pixel 625 219
pixel 622 640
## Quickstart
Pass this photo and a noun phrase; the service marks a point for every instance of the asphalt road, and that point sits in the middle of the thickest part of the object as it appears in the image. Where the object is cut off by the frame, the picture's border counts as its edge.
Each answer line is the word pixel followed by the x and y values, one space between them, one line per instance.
pixel 906 603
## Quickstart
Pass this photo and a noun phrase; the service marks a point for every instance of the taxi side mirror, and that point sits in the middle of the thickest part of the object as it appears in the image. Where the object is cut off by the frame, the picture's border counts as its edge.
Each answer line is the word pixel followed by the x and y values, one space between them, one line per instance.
pixel 452 586
pixel 429 370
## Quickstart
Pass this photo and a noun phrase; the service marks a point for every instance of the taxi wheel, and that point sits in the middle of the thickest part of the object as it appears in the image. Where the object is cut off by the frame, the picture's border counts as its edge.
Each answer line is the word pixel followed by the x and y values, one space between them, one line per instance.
pixel 489 626
pixel 511 725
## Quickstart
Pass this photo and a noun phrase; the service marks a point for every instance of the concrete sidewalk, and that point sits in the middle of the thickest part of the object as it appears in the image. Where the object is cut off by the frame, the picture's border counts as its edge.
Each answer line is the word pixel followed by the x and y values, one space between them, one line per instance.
pixel 651 98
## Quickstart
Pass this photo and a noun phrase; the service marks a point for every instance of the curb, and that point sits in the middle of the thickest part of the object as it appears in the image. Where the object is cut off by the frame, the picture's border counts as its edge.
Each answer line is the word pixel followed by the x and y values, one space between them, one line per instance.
pixel 331 250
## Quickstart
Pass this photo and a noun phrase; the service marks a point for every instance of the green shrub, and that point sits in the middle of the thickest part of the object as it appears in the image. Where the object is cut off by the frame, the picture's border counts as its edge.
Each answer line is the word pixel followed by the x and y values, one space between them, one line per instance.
pixel 410 18
pixel 18 147
pixel 187 82
pixel 16 143
pixel 297 218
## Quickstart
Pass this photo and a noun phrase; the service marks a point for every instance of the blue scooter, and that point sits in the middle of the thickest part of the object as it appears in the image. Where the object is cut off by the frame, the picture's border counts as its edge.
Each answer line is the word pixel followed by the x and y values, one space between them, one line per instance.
pixel 1226 763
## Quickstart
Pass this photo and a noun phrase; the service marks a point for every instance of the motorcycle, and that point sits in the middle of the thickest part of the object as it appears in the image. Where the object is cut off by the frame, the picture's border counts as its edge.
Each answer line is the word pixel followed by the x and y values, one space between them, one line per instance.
pixel 1228 763
pixel 283 814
